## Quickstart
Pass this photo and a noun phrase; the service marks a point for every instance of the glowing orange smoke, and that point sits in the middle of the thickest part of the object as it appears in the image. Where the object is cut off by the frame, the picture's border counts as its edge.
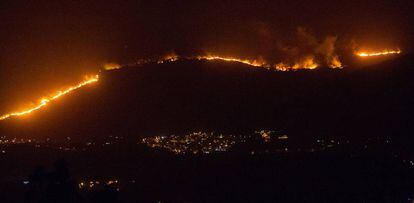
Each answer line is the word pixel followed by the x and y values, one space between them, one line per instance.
pixel 383 53
pixel 111 66
pixel 44 101
pixel 169 58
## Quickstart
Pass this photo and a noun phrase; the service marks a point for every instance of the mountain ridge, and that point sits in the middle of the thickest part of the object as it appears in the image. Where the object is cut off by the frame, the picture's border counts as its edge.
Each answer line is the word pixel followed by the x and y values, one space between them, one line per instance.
pixel 190 95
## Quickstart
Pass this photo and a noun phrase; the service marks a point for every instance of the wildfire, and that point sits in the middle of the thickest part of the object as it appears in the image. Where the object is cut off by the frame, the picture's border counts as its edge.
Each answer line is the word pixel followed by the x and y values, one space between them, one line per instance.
pixel 383 53
pixel 307 63
pixel 335 62
pixel 256 63
pixel 169 58
pixel 44 101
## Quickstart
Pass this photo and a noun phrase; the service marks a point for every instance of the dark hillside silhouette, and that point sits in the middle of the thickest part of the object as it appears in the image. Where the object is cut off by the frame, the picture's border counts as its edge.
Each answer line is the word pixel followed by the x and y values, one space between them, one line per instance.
pixel 189 95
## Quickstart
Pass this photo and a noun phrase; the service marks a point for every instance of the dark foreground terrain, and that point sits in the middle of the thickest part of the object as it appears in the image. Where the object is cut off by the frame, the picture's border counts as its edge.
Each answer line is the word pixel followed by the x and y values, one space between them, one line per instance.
pixel 144 175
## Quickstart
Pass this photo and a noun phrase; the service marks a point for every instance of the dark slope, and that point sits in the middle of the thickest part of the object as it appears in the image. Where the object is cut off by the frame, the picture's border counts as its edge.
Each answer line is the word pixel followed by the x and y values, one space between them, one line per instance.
pixel 213 95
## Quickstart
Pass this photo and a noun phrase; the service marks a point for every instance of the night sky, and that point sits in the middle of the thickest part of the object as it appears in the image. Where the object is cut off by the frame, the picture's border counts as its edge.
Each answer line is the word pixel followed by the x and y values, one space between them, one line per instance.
pixel 48 44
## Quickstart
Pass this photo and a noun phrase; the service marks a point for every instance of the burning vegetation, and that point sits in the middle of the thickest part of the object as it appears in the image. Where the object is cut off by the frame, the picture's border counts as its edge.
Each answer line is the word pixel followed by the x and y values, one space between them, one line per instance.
pixel 323 53
pixel 382 53
pixel 255 63
pixel 45 100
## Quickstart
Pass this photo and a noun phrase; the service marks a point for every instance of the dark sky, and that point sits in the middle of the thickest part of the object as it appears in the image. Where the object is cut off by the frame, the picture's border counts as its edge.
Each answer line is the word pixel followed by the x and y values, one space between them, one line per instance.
pixel 47 44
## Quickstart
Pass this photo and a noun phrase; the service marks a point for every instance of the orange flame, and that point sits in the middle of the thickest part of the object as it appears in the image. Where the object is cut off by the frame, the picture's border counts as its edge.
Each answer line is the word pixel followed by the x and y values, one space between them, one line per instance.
pixel 169 58
pixel 256 63
pixel 307 63
pixel 335 62
pixel 383 53
pixel 44 101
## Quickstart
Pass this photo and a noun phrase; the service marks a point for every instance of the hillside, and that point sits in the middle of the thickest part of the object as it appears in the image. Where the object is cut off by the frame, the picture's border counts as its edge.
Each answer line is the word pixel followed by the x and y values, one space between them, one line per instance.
pixel 189 95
